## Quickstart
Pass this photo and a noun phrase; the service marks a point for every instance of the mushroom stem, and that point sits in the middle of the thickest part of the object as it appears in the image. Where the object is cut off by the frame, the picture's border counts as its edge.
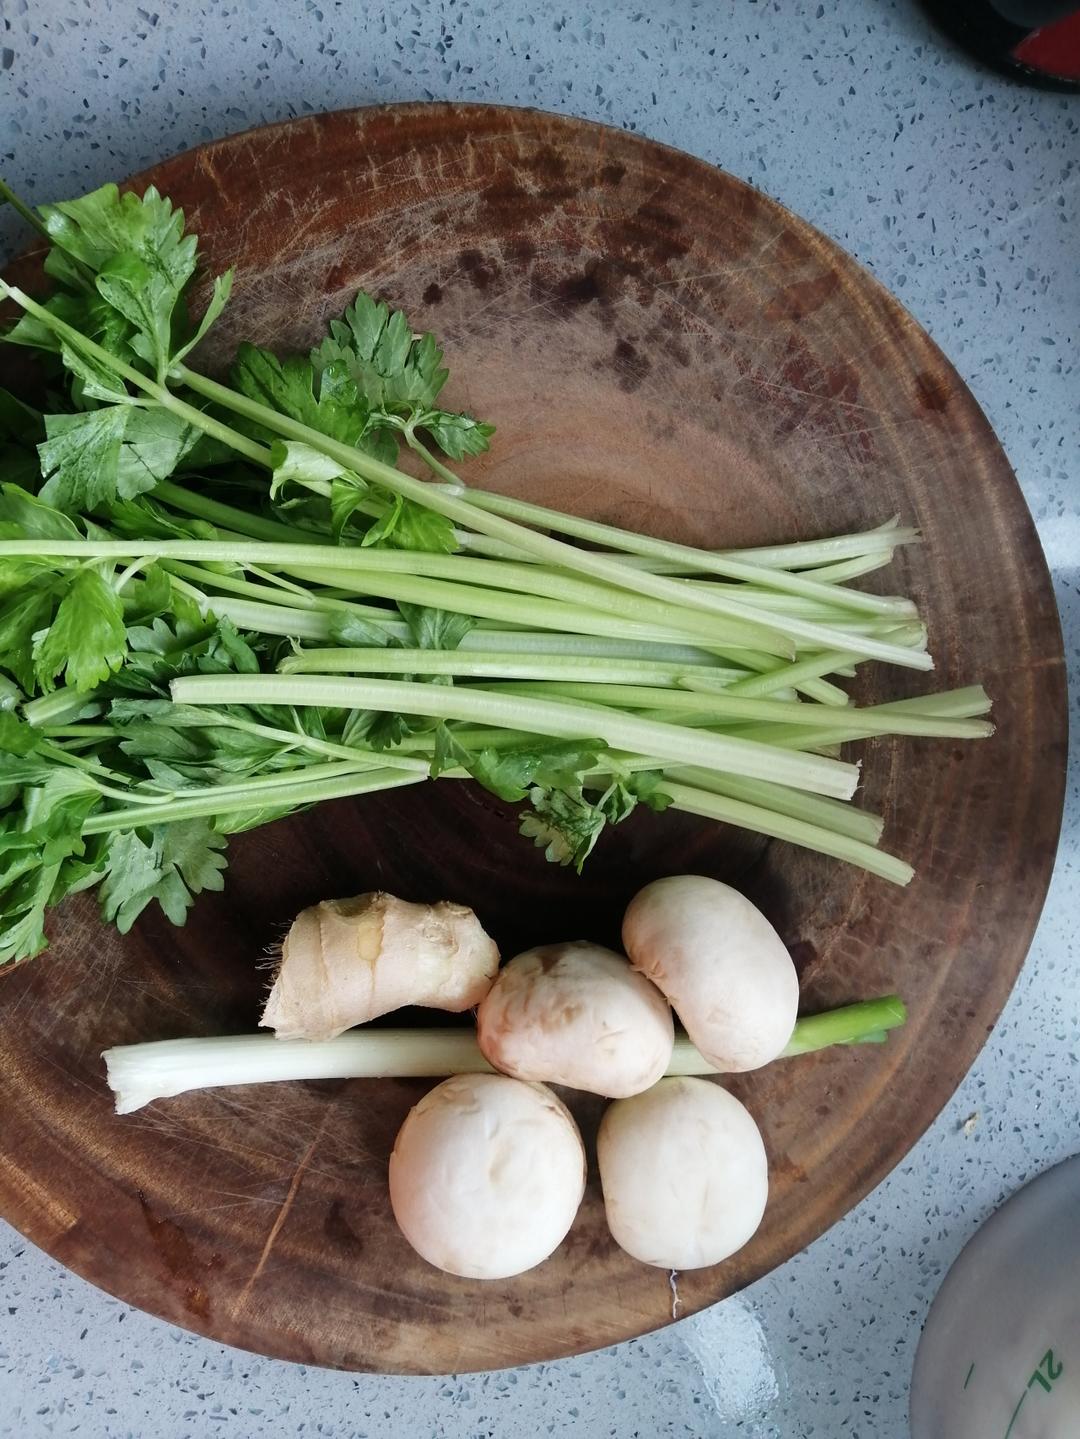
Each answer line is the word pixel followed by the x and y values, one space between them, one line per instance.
pixel 138 1074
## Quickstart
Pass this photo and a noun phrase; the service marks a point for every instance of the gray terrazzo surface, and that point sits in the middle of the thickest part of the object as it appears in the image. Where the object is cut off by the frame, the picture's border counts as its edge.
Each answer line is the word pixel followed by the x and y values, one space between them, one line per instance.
pixel 962 193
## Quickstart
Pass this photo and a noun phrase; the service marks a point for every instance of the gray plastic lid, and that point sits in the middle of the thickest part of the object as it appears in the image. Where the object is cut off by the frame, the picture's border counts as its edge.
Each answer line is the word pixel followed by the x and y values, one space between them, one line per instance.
pixel 999 1357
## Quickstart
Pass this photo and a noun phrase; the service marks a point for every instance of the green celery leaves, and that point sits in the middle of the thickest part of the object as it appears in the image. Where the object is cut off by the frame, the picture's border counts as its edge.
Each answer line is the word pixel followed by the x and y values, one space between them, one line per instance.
pixel 87 640
pixel 399 376
pixel 172 865
pixel 99 456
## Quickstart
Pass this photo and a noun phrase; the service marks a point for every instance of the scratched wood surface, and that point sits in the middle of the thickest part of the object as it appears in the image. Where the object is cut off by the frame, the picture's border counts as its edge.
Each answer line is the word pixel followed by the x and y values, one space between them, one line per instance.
pixel 661 346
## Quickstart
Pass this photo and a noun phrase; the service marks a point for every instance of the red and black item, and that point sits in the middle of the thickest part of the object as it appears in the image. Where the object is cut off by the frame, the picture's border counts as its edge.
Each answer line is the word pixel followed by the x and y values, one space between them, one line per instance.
pixel 1037 41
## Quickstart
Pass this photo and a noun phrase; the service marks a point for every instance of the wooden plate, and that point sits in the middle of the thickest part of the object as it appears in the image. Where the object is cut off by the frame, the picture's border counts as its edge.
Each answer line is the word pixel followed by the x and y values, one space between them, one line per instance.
pixel 662 346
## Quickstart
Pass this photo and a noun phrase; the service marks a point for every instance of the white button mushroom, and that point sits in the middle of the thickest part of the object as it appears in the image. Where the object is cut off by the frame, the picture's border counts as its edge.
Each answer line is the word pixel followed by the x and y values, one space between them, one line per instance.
pixel 720 963
pixel 345 961
pixel 684 1174
pixel 579 1015
pixel 486 1175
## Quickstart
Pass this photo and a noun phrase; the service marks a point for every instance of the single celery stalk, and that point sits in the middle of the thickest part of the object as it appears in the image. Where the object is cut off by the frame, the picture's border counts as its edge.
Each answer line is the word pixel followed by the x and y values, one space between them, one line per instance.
pixel 139 1074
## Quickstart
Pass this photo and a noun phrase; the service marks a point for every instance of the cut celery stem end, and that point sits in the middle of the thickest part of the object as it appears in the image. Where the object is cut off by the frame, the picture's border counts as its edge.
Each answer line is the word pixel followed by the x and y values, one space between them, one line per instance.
pixel 813 667
pixel 801 555
pixel 832 814
pixel 792 831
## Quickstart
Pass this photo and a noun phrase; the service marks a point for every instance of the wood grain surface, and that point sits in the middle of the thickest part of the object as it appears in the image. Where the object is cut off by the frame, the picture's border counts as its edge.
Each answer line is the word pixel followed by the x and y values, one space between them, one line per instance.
pixel 664 347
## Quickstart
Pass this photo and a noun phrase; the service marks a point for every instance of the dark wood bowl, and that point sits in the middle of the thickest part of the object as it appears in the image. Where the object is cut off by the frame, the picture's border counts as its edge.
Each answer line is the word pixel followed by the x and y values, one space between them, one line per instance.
pixel 662 346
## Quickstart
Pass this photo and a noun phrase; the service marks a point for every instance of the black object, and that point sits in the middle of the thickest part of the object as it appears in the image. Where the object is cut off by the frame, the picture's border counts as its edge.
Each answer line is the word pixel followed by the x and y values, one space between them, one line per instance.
pixel 1034 41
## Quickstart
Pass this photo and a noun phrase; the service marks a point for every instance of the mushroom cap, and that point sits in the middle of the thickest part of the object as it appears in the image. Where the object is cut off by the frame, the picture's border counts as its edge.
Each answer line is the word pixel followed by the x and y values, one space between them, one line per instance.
pixel 725 970
pixel 684 1174
pixel 487 1175
pixel 576 1014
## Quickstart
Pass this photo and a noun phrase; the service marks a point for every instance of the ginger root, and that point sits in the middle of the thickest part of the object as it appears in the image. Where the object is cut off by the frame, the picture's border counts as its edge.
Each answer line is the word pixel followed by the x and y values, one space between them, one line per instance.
pixel 345 961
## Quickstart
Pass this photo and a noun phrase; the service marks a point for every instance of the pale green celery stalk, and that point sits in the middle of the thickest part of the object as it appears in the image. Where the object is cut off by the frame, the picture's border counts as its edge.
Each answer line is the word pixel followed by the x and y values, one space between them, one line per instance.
pixel 925 726
pixel 914 634
pixel 783 592
pixel 882 722
pixel 798 608
pixel 492 549
pixel 768 717
pixel 548 642
pixel 714 704
pixel 263 619
pixel 939 712
pixel 790 737
pixel 837 573
pixel 789 583
pixel 610 761
pixel 780 621
pixel 543 644
pixel 794 831
pixel 58 708
pixel 311 625
pixel 564 556
pixel 266 785
pixel 228 517
pixel 291 597
pixel 348 757
pixel 812 554
pixel 294 739
pixel 784 676
pixel 831 814
pixel 316 563
pixel 254 797
pixel 467 665
pixel 531 611
pixel 793 740
pixel 544 579
pixel 381 572
pixel 841 571
pixel 821 691
pixel 649 564
pixel 287 739
pixel 949 704
pixel 555 585
pixel 541 716
pixel 692 719
pixel 861 565
pixel 824 692
pixel 472 738
pixel 628 638
pixel 801 555
pixel 140 1074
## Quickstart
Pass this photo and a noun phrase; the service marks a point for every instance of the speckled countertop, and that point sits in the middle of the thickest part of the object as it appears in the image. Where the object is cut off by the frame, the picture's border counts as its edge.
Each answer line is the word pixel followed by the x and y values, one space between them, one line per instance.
pixel 962 192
